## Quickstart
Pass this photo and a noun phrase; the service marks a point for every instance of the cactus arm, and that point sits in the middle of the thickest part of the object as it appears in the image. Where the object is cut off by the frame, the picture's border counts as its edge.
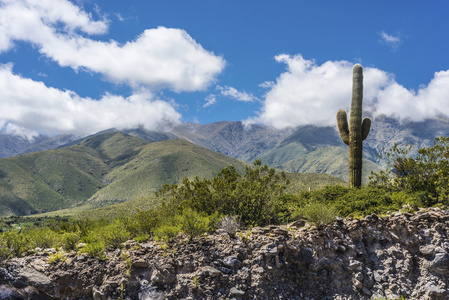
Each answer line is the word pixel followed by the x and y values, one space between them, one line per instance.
pixel 366 125
pixel 342 123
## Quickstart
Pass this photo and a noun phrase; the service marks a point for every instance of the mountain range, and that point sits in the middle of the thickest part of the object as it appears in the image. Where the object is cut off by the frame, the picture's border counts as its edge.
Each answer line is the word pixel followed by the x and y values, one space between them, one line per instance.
pixel 51 173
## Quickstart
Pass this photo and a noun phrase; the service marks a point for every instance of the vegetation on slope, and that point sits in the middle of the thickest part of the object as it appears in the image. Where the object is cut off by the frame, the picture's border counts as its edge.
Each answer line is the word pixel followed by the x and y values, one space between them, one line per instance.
pixel 330 160
pixel 165 162
pixel 257 197
pixel 49 180
pixel 109 168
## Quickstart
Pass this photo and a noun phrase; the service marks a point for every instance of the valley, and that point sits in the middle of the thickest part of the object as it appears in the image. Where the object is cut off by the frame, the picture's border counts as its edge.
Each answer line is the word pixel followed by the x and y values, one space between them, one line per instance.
pixel 111 167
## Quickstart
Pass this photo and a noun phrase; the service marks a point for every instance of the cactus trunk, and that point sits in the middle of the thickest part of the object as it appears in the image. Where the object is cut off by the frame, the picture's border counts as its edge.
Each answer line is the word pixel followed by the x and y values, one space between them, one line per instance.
pixel 357 131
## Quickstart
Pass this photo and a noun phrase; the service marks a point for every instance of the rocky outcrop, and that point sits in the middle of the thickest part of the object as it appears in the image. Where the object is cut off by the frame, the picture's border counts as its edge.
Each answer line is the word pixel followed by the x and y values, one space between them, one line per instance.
pixel 374 258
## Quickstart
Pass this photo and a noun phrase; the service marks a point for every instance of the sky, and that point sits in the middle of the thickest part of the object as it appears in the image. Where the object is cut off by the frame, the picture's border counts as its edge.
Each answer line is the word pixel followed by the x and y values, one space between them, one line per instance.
pixel 82 66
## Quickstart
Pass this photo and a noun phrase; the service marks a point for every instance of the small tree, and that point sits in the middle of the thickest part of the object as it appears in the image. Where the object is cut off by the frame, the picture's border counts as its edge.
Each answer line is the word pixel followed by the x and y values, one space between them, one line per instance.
pixel 248 196
pixel 427 172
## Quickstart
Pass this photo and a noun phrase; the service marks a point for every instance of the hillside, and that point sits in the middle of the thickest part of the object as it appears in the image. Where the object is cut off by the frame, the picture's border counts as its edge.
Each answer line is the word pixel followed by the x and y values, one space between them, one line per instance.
pixel 330 160
pixel 165 162
pixel 232 138
pixel 106 168
pixel 49 180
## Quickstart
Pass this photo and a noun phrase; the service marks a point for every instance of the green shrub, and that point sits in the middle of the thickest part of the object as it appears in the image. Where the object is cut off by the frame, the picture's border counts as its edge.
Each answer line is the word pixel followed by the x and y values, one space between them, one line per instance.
pixel 147 221
pixel 69 240
pixel 42 238
pixel 166 232
pixel 365 201
pixel 93 249
pixel 193 223
pixel 426 172
pixel 114 235
pixel 142 238
pixel 4 250
pixel 16 243
pixel 249 195
pixel 318 214
pixel 56 257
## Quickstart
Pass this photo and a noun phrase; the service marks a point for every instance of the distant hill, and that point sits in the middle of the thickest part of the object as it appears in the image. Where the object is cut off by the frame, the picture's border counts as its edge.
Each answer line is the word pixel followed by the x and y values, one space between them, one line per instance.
pixel 49 180
pixel 106 168
pixel 232 138
pixel 303 149
pixel 11 145
pixel 159 163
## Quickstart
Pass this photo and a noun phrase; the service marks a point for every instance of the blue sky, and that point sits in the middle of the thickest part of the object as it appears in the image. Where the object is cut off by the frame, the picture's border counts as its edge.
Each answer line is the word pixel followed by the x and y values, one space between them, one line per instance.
pixel 87 65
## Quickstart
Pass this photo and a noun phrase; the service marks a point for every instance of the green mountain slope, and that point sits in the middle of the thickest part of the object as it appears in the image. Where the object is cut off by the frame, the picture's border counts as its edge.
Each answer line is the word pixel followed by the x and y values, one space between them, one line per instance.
pixel 165 162
pixel 329 160
pixel 106 168
pixel 49 180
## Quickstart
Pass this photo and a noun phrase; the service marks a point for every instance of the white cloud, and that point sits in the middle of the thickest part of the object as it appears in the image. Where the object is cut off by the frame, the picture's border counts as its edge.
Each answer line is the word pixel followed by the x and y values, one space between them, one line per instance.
pixel 24 133
pixel 235 94
pixel 390 40
pixel 267 84
pixel 308 93
pixel 31 104
pixel 210 100
pixel 158 58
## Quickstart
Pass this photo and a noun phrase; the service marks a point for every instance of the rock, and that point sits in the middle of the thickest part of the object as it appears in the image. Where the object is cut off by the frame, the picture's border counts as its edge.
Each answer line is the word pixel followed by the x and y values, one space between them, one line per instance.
pixel 10 293
pixel 30 276
pixel 279 231
pixel 297 224
pixel 357 284
pixel 440 264
pixel 232 262
pixel 427 250
pixel 139 263
pixel 162 277
pixel 209 272
pixel 346 260
pixel 377 276
pixel 236 292
pixel 305 255
pixel 269 249
pixel 97 295
pixel 435 292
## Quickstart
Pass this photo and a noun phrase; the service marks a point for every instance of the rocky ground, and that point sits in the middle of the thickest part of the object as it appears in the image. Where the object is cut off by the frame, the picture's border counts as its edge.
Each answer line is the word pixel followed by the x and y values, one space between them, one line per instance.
pixel 374 258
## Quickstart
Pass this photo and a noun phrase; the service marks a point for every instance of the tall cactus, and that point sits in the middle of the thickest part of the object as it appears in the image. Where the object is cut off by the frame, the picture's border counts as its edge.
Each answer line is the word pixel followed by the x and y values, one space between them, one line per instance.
pixel 357 131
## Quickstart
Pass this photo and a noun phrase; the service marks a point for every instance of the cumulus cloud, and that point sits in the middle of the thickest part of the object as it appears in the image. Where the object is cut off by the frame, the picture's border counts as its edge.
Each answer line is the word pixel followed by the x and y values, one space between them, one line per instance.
pixel 31 104
pixel 235 94
pixel 307 93
pixel 158 58
pixel 13 129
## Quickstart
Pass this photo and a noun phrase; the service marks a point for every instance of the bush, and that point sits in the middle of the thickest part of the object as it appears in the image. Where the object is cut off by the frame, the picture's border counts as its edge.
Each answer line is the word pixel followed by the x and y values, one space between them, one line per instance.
pixel 142 238
pixel 230 224
pixel 166 232
pixel 4 250
pixel 114 235
pixel 16 243
pixel 42 238
pixel 93 249
pixel 55 258
pixel 193 223
pixel 427 172
pixel 69 240
pixel 318 214
pixel 147 221
pixel 249 195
